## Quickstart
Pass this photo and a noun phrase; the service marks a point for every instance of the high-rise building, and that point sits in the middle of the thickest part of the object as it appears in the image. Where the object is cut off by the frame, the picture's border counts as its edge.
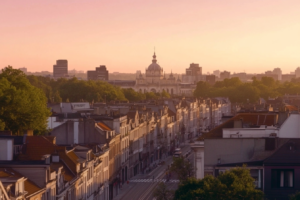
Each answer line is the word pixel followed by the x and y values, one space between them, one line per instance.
pixel 23 69
pixel 217 73
pixel 297 72
pixel 278 72
pixel 100 73
pixel 224 75
pixel 194 70
pixel 60 69
pixel 211 79
pixel 193 74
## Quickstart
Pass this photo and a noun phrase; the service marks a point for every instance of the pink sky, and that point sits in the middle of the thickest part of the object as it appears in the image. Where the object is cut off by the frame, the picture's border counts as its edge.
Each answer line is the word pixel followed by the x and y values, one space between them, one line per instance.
pixel 234 35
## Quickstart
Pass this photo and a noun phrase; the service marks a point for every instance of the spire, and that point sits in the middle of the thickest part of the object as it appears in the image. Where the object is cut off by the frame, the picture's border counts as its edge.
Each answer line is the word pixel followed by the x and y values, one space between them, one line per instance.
pixel 178 80
pixel 154 58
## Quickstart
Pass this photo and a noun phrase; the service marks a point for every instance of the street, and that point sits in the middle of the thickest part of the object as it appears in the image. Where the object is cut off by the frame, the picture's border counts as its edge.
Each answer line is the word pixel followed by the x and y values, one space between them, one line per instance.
pixel 141 186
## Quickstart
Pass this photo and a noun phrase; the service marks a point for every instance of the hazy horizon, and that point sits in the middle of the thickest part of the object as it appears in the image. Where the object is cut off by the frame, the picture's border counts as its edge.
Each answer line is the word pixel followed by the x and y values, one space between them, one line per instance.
pixel 234 35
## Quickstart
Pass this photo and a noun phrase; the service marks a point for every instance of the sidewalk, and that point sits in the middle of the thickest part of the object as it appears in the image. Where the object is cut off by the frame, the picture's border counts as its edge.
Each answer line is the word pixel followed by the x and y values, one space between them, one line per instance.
pixel 125 188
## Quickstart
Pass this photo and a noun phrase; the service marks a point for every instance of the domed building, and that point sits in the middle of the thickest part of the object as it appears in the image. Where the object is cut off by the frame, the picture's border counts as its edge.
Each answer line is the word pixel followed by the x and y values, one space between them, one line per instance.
pixel 154 80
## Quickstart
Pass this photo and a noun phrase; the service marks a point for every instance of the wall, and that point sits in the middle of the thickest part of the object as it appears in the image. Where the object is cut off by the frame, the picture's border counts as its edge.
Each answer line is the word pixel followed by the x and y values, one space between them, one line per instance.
pixel 248 132
pixel 6 149
pixel 291 127
pixel 52 123
pixel 280 193
pixel 231 150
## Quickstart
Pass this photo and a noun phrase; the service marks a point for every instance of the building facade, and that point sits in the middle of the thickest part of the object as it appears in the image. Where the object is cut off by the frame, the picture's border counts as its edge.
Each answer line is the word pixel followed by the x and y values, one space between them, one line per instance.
pixel 60 70
pixel 101 73
pixel 155 80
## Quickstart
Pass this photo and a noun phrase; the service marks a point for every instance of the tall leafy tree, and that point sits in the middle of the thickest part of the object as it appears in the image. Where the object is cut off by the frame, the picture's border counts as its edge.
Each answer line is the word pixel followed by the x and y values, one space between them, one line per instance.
pixel 56 97
pixel 132 95
pixel 183 168
pixel 203 89
pixel 161 192
pixel 22 106
pixel 165 94
pixel 235 184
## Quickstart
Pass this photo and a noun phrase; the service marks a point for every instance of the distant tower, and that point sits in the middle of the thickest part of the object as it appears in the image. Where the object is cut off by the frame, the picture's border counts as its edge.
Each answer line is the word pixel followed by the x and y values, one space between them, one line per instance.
pixel 297 72
pixel 60 69
pixel 278 72
pixel 101 73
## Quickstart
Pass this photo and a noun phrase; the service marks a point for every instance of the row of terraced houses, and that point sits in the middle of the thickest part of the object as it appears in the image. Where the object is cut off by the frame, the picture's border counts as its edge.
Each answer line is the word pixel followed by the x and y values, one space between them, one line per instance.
pixel 92 150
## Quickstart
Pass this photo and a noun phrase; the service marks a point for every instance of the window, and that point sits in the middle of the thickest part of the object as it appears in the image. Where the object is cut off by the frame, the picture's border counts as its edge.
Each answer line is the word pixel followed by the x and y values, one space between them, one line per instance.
pixel 282 178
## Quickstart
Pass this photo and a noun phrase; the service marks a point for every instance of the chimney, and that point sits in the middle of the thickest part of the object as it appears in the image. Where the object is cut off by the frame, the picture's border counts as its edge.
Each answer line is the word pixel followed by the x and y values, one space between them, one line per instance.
pixel 46 158
pixel 55 158
pixel 28 132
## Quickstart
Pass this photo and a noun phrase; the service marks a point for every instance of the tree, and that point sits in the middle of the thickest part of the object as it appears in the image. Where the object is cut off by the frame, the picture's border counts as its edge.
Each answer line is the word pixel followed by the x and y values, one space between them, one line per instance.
pixel 2 125
pixel 151 95
pixel 132 95
pixel 243 94
pixel 22 106
pixel 183 168
pixel 234 184
pixel 42 83
pixel 165 94
pixel 202 89
pixel 161 192
pixel 56 97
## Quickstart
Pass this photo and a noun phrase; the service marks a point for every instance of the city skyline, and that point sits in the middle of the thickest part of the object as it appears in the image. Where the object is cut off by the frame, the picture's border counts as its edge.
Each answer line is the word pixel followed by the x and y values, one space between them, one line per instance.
pixel 236 36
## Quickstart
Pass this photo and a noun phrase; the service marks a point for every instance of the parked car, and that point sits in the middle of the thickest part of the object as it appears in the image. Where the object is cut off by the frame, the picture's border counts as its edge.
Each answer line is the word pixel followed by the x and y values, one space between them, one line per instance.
pixel 177 154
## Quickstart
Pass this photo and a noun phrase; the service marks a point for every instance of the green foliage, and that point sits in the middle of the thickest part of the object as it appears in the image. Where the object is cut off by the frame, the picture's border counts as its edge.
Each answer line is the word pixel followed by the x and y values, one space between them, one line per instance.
pixel 161 192
pixel 56 97
pixel 183 168
pixel 151 95
pixel 22 106
pixel 132 95
pixel 203 90
pixel 295 196
pixel 234 184
pixel 165 94
pixel 239 92
pixel 74 90
pixel 2 125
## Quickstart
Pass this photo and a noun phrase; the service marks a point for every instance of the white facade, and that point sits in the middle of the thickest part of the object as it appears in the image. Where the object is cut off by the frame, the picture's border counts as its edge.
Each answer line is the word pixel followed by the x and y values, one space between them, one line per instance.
pixel 156 81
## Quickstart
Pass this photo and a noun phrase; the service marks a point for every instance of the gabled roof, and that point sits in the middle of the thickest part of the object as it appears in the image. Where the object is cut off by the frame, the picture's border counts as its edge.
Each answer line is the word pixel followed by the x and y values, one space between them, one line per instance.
pixel 10 173
pixel 38 146
pixel 291 108
pixel 104 126
pixel 171 113
pixel 288 154
pixel 31 188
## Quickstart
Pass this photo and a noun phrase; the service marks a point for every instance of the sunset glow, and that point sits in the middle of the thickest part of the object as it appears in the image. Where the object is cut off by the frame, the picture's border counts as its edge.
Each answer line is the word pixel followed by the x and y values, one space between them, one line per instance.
pixel 234 35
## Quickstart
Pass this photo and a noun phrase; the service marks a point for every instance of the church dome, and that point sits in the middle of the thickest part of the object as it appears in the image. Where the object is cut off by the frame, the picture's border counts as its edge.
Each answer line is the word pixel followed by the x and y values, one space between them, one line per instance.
pixel 154 66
